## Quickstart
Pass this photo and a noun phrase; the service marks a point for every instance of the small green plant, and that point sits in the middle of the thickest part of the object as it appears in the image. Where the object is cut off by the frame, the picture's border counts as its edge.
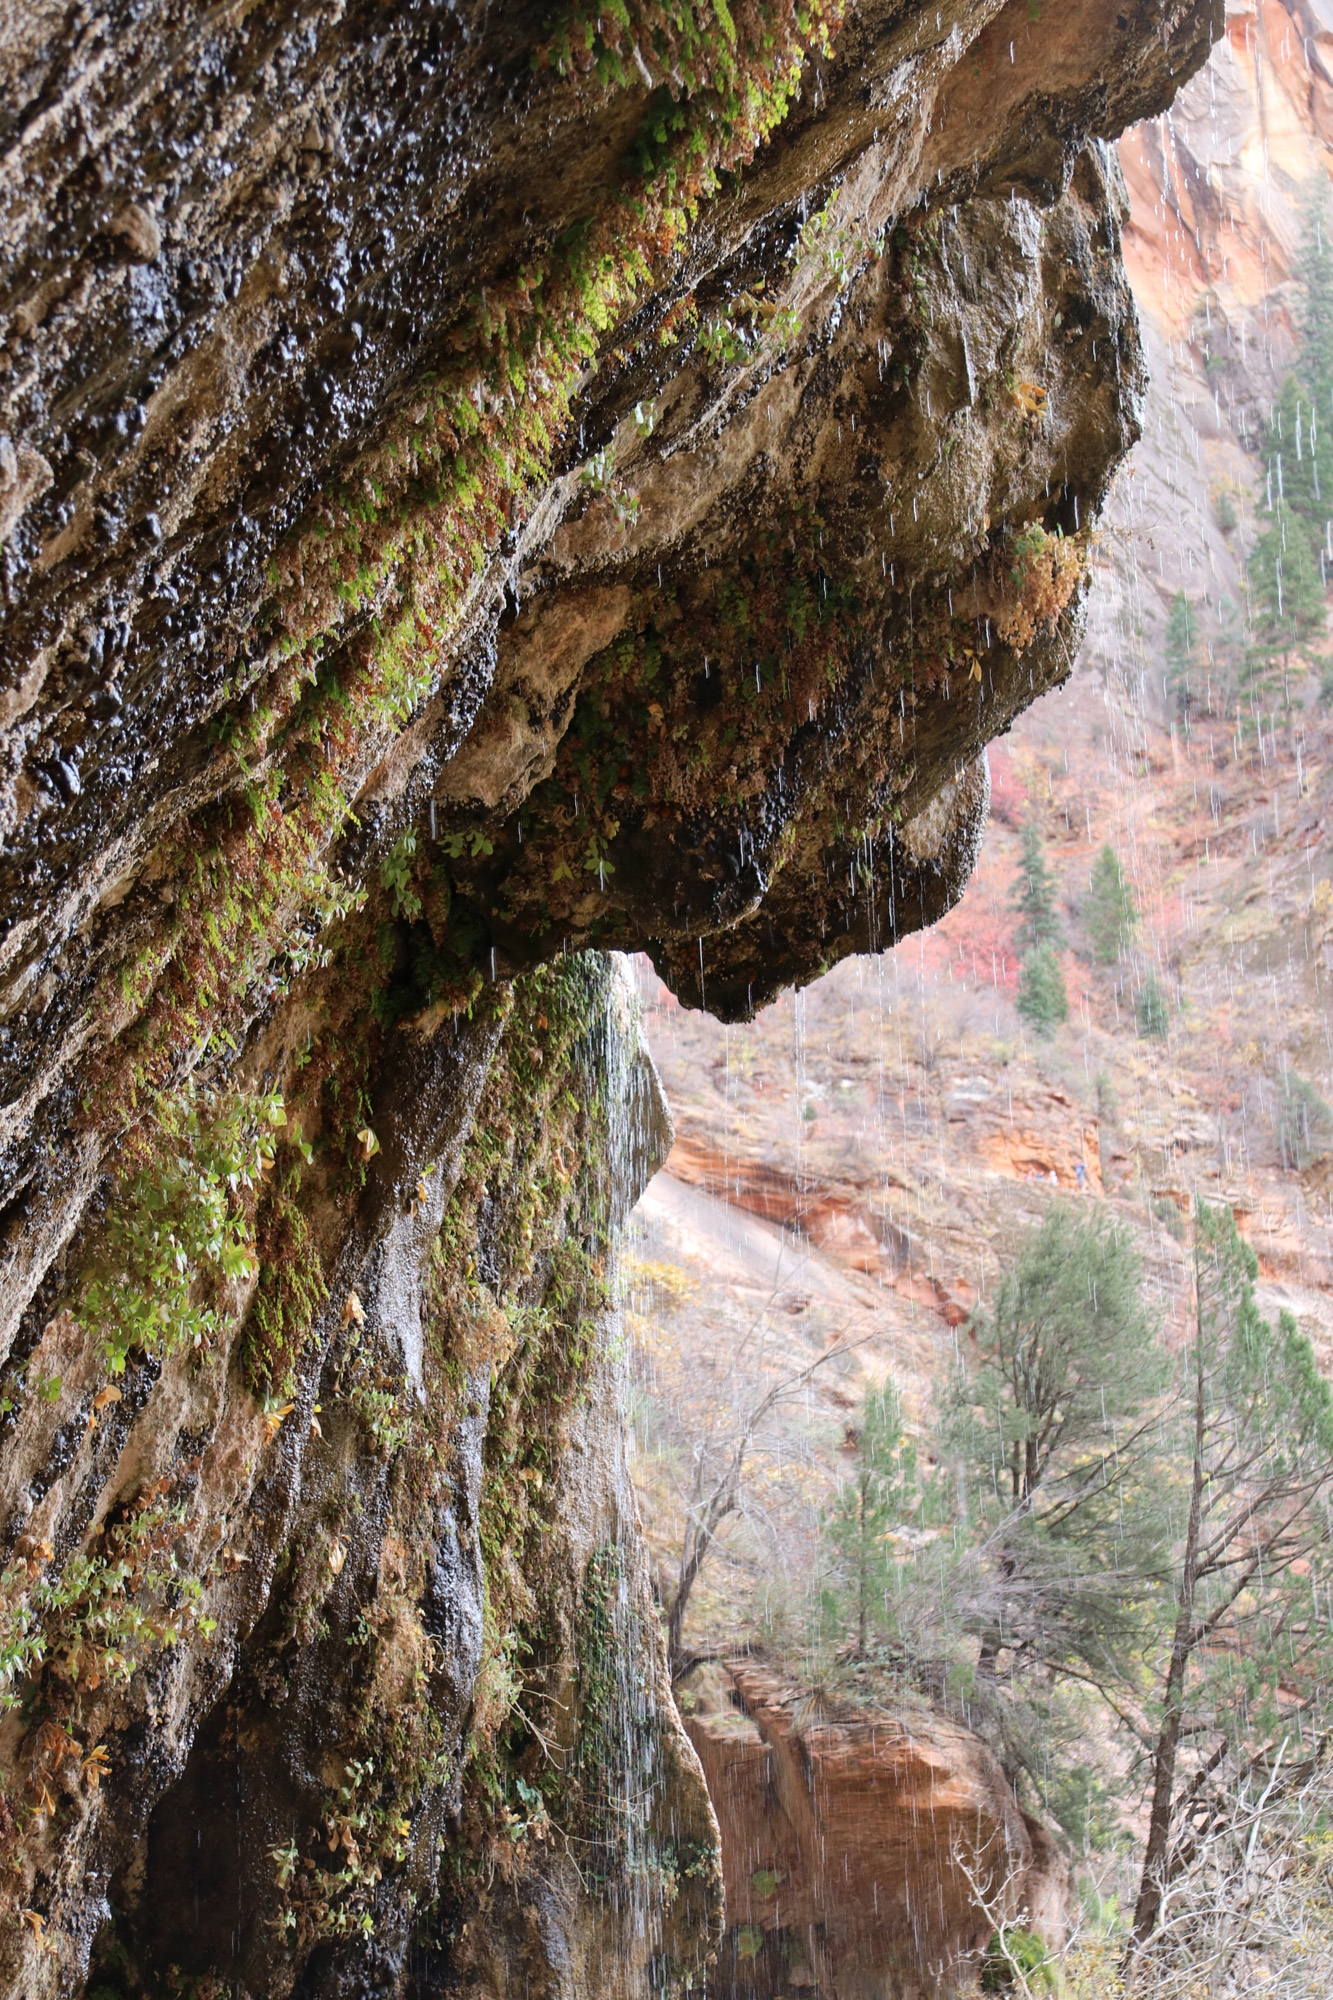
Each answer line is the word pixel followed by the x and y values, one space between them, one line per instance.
pixel 1165 1211
pixel 379 1395
pixel 721 343
pixel 1018 1962
pixel 396 876
pixel 290 1292
pixel 179 1225
pixel 97 1618
pixel 749 1943
pixel 598 472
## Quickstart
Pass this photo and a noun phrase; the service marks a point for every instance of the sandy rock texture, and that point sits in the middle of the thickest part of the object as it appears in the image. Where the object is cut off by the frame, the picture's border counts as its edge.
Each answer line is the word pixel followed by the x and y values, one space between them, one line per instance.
pixel 477 483
pixel 856 1846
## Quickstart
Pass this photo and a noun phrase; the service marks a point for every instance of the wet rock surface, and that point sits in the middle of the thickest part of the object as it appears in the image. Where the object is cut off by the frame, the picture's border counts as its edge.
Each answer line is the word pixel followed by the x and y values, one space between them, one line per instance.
pixel 855 1845
pixel 471 491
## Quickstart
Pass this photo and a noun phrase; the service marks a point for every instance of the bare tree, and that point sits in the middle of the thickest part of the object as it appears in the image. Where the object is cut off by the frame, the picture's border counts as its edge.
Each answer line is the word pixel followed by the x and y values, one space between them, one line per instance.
pixel 715 1496
pixel 1247 1901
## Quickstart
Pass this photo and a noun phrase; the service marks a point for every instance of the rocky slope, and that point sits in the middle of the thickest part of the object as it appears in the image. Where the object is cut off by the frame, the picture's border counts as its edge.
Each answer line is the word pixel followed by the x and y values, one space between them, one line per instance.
pixel 477 485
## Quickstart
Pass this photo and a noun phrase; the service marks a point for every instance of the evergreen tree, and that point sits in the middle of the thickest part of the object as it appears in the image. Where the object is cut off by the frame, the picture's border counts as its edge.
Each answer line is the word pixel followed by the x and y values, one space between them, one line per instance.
pixel 1316 315
pixel 1287 596
pixel 1298 456
pixel 1289 567
pixel 1109 914
pixel 1033 897
pixel 880 1495
pixel 1225 657
pixel 1151 1012
pixel 1181 647
pixel 1052 1438
pixel 1304 1123
pixel 1042 998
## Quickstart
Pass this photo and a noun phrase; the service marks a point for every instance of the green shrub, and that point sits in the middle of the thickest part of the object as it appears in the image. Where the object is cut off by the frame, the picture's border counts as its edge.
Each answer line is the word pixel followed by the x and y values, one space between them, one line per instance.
pixel 1018 1961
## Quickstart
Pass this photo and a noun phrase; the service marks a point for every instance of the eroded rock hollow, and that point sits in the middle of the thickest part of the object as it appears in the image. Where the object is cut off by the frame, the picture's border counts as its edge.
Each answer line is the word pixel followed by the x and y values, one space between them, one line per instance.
pixel 482 487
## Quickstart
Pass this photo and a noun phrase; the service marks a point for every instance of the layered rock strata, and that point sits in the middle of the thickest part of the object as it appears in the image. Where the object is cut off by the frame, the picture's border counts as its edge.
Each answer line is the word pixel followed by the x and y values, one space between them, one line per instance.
pixel 477 485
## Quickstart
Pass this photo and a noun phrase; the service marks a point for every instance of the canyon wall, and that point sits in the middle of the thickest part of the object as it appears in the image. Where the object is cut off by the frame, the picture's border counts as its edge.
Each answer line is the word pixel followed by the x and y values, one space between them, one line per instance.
pixel 862 1161
pixel 480 491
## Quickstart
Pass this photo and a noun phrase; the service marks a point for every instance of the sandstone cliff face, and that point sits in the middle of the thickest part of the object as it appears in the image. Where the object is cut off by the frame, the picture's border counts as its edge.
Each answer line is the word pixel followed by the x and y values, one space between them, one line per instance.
pixel 856 1847
pixel 475 486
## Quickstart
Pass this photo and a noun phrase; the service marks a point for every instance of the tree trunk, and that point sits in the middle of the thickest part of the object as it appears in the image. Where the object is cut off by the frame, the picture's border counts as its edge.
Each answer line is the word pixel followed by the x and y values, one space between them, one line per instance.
pixel 680 1604
pixel 863 1580
pixel 1152 1885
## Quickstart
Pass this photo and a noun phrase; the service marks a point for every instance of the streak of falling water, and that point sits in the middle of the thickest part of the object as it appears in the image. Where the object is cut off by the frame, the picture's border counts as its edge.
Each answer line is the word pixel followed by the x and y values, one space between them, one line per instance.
pixel 633 1836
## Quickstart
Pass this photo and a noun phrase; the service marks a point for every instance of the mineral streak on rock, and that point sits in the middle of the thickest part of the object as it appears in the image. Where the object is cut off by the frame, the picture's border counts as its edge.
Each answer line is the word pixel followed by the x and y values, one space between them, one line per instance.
pixel 855 1844
pixel 476 483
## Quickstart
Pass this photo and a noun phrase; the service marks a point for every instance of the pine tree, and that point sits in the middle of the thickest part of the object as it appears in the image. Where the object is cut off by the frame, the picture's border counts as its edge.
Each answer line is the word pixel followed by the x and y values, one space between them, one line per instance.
pixel 1316 316
pixel 1289 567
pixel 1152 1013
pixel 1287 595
pixel 879 1497
pixel 1181 647
pixel 1042 998
pixel 1109 914
pixel 1298 455
pixel 1225 656
pixel 1304 1123
pixel 1050 1435
pixel 1033 897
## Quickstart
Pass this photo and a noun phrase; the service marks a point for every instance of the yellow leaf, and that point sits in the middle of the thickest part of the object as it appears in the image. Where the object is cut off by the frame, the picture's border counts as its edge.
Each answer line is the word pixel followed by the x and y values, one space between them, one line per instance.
pixel 337 1556
pixel 353 1312
pixel 96 1765
pixel 368 1143
pixel 111 1394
